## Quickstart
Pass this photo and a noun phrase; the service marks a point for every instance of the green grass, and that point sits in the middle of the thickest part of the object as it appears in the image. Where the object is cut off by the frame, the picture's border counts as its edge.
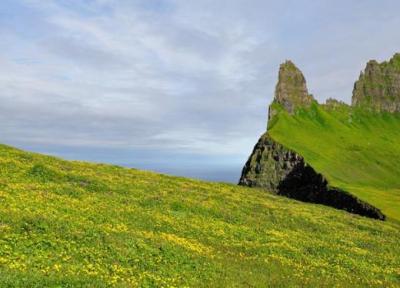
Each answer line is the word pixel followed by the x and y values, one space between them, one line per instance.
pixel 356 150
pixel 75 224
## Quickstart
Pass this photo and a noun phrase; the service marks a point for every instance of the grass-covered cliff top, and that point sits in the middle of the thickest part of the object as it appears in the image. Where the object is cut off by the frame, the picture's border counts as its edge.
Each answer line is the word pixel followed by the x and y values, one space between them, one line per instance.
pixel 354 149
pixel 75 224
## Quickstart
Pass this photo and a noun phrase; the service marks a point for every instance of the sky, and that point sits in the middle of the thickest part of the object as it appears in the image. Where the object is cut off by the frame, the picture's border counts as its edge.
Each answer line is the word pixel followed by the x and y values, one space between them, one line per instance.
pixel 175 86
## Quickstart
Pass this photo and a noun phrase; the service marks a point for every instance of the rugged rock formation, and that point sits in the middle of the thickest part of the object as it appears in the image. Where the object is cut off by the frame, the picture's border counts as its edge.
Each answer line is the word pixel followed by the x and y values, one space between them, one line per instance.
pixel 268 164
pixel 378 87
pixel 275 168
pixel 333 103
pixel 305 184
pixel 291 91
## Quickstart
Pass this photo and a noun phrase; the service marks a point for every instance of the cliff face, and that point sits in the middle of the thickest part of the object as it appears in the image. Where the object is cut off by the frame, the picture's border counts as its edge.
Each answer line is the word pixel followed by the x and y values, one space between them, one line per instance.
pixel 378 87
pixel 268 165
pixel 270 162
pixel 275 168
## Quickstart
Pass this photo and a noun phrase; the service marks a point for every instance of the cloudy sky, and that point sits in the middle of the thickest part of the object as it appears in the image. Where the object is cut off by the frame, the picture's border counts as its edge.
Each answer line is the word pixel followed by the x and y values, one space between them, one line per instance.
pixel 175 86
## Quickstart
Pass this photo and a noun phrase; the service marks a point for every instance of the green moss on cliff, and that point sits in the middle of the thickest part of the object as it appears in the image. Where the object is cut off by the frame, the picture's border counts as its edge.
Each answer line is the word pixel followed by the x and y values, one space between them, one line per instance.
pixel 354 149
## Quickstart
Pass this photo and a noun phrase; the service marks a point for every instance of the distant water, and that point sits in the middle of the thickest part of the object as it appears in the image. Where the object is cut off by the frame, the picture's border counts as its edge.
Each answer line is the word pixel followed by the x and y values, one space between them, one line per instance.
pixel 223 174
pixel 203 167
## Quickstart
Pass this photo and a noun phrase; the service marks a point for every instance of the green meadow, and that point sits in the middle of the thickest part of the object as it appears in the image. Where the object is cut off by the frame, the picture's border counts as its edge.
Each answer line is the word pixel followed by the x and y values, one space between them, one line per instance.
pixel 76 224
pixel 355 149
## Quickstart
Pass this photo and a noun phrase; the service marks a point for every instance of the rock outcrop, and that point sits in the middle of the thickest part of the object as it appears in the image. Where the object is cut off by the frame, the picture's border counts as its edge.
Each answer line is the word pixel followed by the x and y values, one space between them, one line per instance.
pixel 268 164
pixel 291 90
pixel 378 87
pixel 275 168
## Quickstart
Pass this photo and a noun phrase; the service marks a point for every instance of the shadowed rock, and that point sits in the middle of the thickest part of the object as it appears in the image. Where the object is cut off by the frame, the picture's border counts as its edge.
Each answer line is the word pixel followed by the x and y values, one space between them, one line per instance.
pixel 305 184
pixel 274 168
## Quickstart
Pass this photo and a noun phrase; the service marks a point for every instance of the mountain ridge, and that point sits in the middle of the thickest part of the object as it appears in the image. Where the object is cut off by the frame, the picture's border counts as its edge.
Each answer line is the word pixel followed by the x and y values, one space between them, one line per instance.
pixel 343 126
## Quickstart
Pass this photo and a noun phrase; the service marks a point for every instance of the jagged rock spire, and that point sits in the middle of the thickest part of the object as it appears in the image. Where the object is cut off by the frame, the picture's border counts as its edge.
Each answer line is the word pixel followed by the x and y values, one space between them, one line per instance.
pixel 378 87
pixel 291 90
pixel 273 167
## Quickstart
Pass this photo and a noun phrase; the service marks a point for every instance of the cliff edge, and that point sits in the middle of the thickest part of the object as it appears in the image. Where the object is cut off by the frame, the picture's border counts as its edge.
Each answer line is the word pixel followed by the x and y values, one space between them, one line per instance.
pixel 274 167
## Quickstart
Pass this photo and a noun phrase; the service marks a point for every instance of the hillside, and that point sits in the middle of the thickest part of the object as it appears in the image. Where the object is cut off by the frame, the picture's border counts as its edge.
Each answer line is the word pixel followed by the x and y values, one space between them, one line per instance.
pixel 75 224
pixel 342 156
pixel 355 150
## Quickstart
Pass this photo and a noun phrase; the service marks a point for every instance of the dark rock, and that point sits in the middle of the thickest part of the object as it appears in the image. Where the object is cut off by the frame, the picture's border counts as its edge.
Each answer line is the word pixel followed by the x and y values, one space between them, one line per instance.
pixel 269 163
pixel 305 184
pixel 274 168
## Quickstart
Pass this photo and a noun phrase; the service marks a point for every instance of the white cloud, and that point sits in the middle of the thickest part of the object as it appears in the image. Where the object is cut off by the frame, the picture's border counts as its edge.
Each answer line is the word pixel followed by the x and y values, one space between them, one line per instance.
pixel 193 76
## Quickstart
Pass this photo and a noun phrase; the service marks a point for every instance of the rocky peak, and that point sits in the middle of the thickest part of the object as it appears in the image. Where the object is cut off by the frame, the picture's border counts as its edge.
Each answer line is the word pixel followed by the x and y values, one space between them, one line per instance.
pixel 273 167
pixel 378 87
pixel 291 91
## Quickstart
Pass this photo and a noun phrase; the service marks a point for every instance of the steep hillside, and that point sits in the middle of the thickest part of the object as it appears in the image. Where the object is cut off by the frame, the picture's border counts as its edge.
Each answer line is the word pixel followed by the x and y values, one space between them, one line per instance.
pixel 343 156
pixel 355 150
pixel 75 224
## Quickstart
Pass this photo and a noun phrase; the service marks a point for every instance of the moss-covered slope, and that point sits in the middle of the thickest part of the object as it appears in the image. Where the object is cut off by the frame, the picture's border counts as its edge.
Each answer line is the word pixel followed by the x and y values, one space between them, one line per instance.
pixel 355 149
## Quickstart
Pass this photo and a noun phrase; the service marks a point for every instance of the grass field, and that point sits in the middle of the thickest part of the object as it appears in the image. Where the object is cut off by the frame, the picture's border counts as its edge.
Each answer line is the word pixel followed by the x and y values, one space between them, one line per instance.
pixel 356 150
pixel 75 224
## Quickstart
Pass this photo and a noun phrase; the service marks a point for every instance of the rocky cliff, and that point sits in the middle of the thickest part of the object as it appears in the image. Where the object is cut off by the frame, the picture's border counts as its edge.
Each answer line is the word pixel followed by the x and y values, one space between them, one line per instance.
pixel 291 90
pixel 268 165
pixel 378 87
pixel 275 168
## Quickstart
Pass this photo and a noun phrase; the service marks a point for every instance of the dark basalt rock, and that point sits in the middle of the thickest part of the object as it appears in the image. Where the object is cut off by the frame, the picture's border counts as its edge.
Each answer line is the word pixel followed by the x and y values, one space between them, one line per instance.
pixel 275 168
pixel 305 184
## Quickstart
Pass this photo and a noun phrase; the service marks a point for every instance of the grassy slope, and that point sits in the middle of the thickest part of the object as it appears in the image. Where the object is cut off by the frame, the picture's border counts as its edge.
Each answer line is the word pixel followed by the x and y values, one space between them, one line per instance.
pixel 356 150
pixel 74 224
